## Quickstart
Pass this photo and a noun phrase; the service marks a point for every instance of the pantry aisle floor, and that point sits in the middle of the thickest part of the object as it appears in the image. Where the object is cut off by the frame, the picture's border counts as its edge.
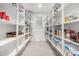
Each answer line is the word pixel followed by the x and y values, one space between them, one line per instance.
pixel 36 48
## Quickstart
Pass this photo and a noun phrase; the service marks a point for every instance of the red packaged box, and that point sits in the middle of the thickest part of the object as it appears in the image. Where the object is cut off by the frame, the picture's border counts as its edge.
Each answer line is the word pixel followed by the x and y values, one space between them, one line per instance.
pixel 2 15
pixel 7 17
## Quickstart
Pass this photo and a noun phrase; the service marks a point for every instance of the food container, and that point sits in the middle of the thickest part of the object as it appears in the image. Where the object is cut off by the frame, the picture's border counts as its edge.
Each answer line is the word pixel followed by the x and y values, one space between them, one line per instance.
pixel 11 34
pixel 66 19
pixel 4 17
pixel 68 34
pixel 55 32
pixel 77 37
pixel 66 49
pixel 72 35
pixel 7 18
pixel 60 33
pixel 65 30
pixel 72 17
pixel 2 14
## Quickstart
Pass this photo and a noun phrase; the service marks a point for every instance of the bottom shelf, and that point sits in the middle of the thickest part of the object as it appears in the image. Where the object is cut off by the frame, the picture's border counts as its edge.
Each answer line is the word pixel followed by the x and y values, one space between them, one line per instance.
pixel 8 40
pixel 71 49
pixel 11 44
pixel 56 47
pixel 15 52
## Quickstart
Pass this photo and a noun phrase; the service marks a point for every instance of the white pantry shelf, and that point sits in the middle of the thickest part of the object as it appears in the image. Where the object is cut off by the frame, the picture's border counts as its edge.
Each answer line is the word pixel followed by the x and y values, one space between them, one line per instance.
pixel 57 36
pixel 73 21
pixel 22 35
pixel 71 41
pixel 14 53
pixel 57 48
pixel 21 25
pixel 9 22
pixel 8 40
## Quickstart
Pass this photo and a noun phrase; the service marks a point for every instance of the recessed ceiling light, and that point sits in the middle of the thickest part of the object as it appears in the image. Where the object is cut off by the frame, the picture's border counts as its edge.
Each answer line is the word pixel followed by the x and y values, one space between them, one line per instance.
pixel 39 5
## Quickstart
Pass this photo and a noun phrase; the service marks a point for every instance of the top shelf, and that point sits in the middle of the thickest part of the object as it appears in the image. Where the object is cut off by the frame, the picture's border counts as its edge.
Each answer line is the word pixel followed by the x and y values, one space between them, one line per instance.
pixel 69 22
pixel 9 22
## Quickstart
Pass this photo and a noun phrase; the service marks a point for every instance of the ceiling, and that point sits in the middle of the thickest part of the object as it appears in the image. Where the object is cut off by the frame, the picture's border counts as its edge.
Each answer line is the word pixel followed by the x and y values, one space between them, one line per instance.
pixel 35 8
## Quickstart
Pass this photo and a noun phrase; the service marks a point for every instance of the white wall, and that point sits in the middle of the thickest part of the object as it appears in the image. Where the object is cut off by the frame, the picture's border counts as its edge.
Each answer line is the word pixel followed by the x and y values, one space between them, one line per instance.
pixel 72 9
pixel 38 34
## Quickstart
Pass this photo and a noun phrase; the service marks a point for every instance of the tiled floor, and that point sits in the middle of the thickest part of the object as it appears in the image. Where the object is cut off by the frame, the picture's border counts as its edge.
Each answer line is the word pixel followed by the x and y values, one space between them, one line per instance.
pixel 38 49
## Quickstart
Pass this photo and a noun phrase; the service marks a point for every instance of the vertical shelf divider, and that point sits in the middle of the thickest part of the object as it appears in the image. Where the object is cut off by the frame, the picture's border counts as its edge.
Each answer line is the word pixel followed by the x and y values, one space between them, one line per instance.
pixel 17 27
pixel 24 24
pixel 62 29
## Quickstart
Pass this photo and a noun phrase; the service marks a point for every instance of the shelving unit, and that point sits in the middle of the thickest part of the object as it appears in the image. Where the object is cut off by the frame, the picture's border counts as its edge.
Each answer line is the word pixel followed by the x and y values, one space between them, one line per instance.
pixel 16 24
pixel 69 25
pixel 69 45
pixel 54 22
pixel 28 22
